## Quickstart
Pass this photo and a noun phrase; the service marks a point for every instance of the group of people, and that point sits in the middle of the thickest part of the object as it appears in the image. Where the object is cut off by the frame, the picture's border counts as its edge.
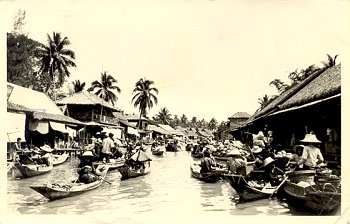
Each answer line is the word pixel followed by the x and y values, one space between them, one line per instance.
pixel 264 157
pixel 104 147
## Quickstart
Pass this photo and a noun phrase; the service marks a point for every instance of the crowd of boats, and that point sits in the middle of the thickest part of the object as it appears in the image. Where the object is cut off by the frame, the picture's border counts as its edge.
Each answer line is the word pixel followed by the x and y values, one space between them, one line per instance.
pixel 253 172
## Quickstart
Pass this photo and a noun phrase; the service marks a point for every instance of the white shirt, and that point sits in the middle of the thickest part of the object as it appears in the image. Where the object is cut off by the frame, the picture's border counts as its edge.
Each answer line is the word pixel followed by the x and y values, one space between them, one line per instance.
pixel 107 144
pixel 311 154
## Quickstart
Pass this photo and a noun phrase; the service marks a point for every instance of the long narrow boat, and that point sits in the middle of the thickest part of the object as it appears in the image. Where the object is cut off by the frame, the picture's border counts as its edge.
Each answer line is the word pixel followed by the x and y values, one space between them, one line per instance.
pixel 57 191
pixel 129 172
pixel 32 170
pixel 113 164
pixel 59 159
pixel 249 190
pixel 306 195
pixel 210 178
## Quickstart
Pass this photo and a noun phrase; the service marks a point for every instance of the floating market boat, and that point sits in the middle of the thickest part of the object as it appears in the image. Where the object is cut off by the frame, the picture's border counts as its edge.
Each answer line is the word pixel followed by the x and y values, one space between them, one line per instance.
pixel 59 159
pixel 249 189
pixel 137 165
pixel 113 163
pixel 31 170
pixel 304 194
pixel 210 178
pixel 57 191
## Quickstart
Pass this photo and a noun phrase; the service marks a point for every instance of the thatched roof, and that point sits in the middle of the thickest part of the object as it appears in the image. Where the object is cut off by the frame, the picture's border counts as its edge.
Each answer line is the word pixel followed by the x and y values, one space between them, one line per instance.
pixel 136 117
pixel 240 115
pixel 283 97
pixel 157 129
pixel 85 98
pixel 203 133
pixel 325 85
pixel 56 117
pixel 191 133
pixel 16 108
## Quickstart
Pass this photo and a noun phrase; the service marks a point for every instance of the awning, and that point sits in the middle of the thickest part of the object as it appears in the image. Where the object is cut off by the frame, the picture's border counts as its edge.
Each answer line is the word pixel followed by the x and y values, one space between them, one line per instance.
pixel 40 126
pixel 305 105
pixel 133 131
pixel 15 126
pixel 58 127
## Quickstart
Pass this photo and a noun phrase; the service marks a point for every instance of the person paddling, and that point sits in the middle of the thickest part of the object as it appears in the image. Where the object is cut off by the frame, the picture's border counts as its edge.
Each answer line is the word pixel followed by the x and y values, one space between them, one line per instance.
pixel 87 172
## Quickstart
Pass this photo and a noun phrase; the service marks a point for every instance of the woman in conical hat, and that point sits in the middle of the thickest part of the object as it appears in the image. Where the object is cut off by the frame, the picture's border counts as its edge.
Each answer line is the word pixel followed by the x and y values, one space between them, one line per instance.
pixel 312 156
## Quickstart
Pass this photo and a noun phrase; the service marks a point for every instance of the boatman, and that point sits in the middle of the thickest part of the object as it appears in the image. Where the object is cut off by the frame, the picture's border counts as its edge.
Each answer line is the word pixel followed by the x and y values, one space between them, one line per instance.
pixel 107 145
pixel 207 163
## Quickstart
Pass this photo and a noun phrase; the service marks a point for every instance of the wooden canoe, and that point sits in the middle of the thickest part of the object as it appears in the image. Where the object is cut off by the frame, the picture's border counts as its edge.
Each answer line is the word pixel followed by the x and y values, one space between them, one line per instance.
pixel 316 198
pixel 59 159
pixel 32 170
pixel 128 172
pixel 210 178
pixel 113 164
pixel 247 191
pixel 57 191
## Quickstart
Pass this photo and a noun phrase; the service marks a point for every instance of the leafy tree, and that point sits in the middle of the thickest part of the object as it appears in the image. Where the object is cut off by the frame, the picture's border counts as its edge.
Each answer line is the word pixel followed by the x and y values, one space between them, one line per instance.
pixel 330 62
pixel 56 59
pixel 105 87
pixel 163 116
pixel 144 97
pixel 22 66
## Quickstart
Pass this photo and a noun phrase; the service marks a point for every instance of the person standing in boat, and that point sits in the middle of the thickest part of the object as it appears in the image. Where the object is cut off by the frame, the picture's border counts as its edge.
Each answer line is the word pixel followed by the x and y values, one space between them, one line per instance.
pixel 312 156
pixel 107 146
pixel 16 148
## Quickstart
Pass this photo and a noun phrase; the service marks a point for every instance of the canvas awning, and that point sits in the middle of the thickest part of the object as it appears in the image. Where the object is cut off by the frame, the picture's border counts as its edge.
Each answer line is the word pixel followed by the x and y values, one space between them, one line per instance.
pixel 133 131
pixel 15 126
pixel 58 127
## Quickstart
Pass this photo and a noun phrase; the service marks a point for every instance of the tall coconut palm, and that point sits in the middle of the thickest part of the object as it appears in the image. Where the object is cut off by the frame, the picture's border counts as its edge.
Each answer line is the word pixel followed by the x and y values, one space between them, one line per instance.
pixel 279 84
pixel 144 98
pixel 163 116
pixel 56 58
pixel 330 61
pixel 78 86
pixel 105 87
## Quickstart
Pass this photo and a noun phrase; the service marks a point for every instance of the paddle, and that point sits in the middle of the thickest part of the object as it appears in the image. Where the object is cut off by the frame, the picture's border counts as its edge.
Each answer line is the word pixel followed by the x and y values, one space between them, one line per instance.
pixel 284 180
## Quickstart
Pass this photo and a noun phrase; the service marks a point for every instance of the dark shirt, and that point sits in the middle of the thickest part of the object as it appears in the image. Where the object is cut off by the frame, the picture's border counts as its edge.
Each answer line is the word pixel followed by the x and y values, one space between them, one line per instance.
pixel 206 165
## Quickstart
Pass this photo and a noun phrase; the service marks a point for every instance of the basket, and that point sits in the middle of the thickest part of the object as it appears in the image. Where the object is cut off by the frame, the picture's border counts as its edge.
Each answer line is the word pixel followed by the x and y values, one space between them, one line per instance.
pixel 303 175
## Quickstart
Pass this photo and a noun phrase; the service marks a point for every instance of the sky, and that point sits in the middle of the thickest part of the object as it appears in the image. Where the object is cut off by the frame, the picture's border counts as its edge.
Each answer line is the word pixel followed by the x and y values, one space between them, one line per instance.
pixel 208 59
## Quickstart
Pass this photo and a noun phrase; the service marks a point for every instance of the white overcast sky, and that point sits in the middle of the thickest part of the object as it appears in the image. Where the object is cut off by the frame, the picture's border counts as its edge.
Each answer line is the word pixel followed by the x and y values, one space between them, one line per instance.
pixel 207 58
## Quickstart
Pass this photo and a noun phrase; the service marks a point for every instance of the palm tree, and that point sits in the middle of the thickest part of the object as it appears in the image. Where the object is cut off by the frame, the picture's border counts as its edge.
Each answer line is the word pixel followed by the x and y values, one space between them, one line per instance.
pixel 280 85
pixel 78 86
pixel 105 87
pixel 263 101
pixel 184 120
pixel 175 121
pixel 56 58
pixel 163 116
pixel 144 97
pixel 330 61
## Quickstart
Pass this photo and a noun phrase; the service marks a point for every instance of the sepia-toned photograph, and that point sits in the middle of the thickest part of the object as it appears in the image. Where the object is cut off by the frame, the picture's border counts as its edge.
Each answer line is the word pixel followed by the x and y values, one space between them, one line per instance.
pixel 174 111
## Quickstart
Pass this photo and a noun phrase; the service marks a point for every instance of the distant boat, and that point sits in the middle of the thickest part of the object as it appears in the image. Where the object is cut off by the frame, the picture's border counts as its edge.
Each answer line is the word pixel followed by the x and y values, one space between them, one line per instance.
pixel 57 191
pixel 113 164
pixel 158 151
pixel 59 159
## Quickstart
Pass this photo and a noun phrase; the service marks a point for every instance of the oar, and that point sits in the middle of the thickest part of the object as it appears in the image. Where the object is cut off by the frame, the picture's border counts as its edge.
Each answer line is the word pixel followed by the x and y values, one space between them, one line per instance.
pixel 284 180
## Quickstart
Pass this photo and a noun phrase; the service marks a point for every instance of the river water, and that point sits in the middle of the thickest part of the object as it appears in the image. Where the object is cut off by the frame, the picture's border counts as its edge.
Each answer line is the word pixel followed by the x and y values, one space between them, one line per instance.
pixel 167 191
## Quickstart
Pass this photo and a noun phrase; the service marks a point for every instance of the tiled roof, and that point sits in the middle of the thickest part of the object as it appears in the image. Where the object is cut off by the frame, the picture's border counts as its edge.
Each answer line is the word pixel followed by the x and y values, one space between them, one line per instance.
pixel 15 107
pixel 240 115
pixel 56 117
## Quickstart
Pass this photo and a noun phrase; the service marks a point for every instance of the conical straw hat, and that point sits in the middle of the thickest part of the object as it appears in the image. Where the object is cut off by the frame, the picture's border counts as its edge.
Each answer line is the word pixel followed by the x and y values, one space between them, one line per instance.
pixel 311 138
